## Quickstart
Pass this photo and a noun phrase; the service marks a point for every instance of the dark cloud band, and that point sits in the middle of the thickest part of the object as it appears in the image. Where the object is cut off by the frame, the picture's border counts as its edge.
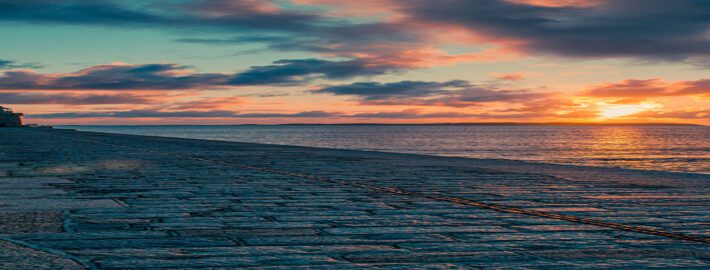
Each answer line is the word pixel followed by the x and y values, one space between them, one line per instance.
pixel 184 114
pixel 644 29
pixel 455 93
pixel 72 99
pixel 175 77
pixel 8 64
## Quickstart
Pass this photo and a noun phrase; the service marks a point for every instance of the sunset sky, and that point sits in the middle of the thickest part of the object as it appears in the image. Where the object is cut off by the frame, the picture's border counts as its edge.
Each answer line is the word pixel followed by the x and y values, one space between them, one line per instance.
pixel 336 61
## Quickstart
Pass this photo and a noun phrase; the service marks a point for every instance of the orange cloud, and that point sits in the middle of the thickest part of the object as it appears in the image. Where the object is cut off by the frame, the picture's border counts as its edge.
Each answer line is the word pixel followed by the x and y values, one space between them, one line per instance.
pixel 219 103
pixel 517 76
pixel 356 8
pixel 650 88
pixel 558 3
pixel 687 114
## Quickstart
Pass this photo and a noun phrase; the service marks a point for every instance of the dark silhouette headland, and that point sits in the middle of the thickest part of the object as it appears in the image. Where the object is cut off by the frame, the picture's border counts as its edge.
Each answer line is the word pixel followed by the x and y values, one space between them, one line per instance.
pixel 8 118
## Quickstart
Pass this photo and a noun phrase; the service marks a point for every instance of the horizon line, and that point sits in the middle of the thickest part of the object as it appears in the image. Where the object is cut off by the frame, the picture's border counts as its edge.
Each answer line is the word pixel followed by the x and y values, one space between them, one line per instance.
pixel 420 124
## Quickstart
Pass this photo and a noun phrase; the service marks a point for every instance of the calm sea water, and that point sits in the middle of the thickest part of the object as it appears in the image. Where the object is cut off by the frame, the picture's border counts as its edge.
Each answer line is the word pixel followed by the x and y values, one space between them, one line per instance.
pixel 672 148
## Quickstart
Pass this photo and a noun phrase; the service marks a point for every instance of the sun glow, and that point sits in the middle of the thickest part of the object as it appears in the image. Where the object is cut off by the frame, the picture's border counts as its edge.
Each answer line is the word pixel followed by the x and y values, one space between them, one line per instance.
pixel 612 111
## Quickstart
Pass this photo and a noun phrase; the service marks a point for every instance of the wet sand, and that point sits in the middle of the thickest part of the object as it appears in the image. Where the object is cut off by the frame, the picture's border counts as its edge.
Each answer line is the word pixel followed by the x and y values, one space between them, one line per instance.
pixel 72 200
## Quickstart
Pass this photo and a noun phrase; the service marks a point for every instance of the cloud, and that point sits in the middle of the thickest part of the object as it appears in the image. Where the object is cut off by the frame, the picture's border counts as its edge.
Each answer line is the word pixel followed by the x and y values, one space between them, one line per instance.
pixel 225 14
pixel 112 77
pixel 297 28
pixel 550 103
pixel 558 3
pixel 403 89
pixel 650 88
pixel 641 29
pixel 579 113
pixel 419 114
pixel 689 114
pixel 410 33
pixel 256 38
pixel 303 70
pixel 176 77
pixel 306 114
pixel 8 64
pixel 72 99
pixel 207 103
pixel 455 93
pixel 184 114
pixel 409 114
pixel 405 114
pixel 514 77
pixel 646 29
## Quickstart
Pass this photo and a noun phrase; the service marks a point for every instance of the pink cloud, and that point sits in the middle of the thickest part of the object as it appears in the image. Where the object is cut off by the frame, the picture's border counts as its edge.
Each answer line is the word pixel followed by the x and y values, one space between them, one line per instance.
pixel 558 3
pixel 74 99
pixel 219 103
pixel 650 88
pixel 517 76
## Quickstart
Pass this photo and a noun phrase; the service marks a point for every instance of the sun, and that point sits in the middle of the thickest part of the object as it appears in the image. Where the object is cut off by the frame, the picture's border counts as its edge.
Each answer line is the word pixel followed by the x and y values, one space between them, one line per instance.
pixel 613 111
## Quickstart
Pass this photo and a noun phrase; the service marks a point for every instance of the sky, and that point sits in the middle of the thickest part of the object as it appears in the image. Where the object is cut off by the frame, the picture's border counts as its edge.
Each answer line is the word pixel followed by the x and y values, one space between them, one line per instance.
pixel 367 61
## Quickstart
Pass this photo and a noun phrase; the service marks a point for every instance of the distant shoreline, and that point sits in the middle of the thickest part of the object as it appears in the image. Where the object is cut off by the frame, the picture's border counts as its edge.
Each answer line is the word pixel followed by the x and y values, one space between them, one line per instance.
pixel 439 124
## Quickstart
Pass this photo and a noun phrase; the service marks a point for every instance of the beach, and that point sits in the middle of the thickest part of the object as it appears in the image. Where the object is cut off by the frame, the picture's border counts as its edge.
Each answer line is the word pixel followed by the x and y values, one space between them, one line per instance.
pixel 85 200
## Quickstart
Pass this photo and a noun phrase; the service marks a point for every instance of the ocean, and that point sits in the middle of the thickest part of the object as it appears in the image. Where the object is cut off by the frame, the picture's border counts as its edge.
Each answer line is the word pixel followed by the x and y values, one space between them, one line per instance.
pixel 668 148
